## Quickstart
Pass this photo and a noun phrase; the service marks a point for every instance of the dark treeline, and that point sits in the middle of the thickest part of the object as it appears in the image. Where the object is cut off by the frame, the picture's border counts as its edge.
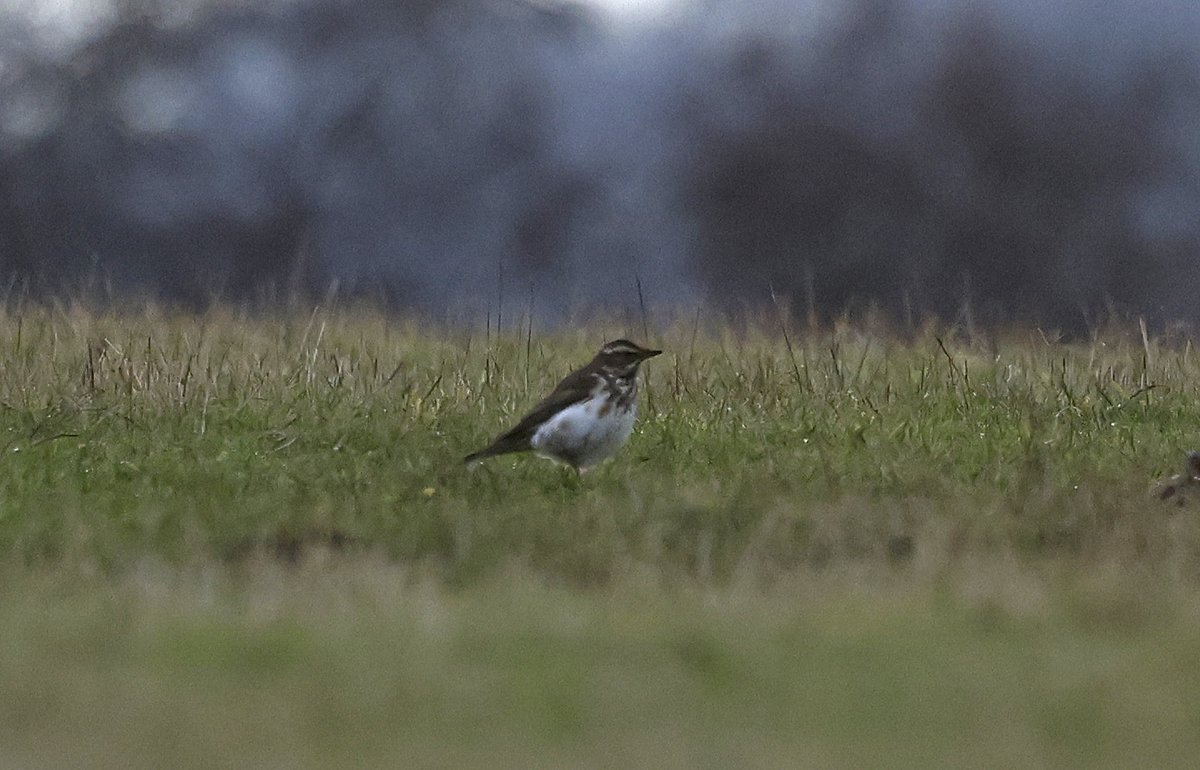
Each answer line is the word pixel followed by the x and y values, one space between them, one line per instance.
pixel 1037 164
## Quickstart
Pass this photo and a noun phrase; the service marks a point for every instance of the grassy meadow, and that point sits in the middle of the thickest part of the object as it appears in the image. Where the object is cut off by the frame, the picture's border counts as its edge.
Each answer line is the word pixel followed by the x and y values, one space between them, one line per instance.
pixel 247 541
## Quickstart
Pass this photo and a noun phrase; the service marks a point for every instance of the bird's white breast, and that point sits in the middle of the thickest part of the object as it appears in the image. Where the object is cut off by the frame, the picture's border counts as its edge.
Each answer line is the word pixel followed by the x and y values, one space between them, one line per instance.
pixel 581 435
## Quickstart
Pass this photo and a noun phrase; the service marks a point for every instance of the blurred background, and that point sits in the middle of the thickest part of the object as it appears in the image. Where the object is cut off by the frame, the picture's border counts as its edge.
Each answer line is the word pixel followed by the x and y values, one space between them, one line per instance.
pixel 1033 162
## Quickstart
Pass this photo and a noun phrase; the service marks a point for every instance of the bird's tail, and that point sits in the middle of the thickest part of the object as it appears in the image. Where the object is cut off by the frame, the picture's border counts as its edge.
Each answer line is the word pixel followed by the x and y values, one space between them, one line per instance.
pixel 475 457
pixel 501 446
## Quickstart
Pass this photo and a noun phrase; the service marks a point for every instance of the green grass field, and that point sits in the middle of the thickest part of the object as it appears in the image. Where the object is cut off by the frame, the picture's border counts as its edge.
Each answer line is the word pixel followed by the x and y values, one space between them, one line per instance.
pixel 249 541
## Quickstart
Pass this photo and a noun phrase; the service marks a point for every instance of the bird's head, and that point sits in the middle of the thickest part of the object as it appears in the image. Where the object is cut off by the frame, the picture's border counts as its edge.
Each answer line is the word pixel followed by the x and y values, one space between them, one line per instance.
pixel 622 357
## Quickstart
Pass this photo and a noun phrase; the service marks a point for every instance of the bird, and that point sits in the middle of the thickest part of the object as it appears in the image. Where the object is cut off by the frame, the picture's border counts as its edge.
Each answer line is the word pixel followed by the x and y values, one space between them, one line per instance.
pixel 1182 486
pixel 586 418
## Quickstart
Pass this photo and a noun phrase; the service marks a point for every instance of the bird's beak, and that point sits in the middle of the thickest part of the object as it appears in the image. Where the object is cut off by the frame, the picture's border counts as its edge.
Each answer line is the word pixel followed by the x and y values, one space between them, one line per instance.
pixel 649 354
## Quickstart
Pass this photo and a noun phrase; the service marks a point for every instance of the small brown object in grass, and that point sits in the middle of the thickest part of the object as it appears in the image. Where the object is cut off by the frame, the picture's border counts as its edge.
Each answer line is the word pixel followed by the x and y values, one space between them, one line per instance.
pixel 1182 487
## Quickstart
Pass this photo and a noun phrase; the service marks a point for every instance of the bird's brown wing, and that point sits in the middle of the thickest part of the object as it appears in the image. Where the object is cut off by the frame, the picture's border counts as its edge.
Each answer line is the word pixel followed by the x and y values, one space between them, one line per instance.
pixel 575 387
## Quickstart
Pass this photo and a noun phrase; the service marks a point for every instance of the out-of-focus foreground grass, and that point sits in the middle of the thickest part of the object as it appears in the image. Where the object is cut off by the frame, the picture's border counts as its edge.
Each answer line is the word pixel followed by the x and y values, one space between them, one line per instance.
pixel 249 540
